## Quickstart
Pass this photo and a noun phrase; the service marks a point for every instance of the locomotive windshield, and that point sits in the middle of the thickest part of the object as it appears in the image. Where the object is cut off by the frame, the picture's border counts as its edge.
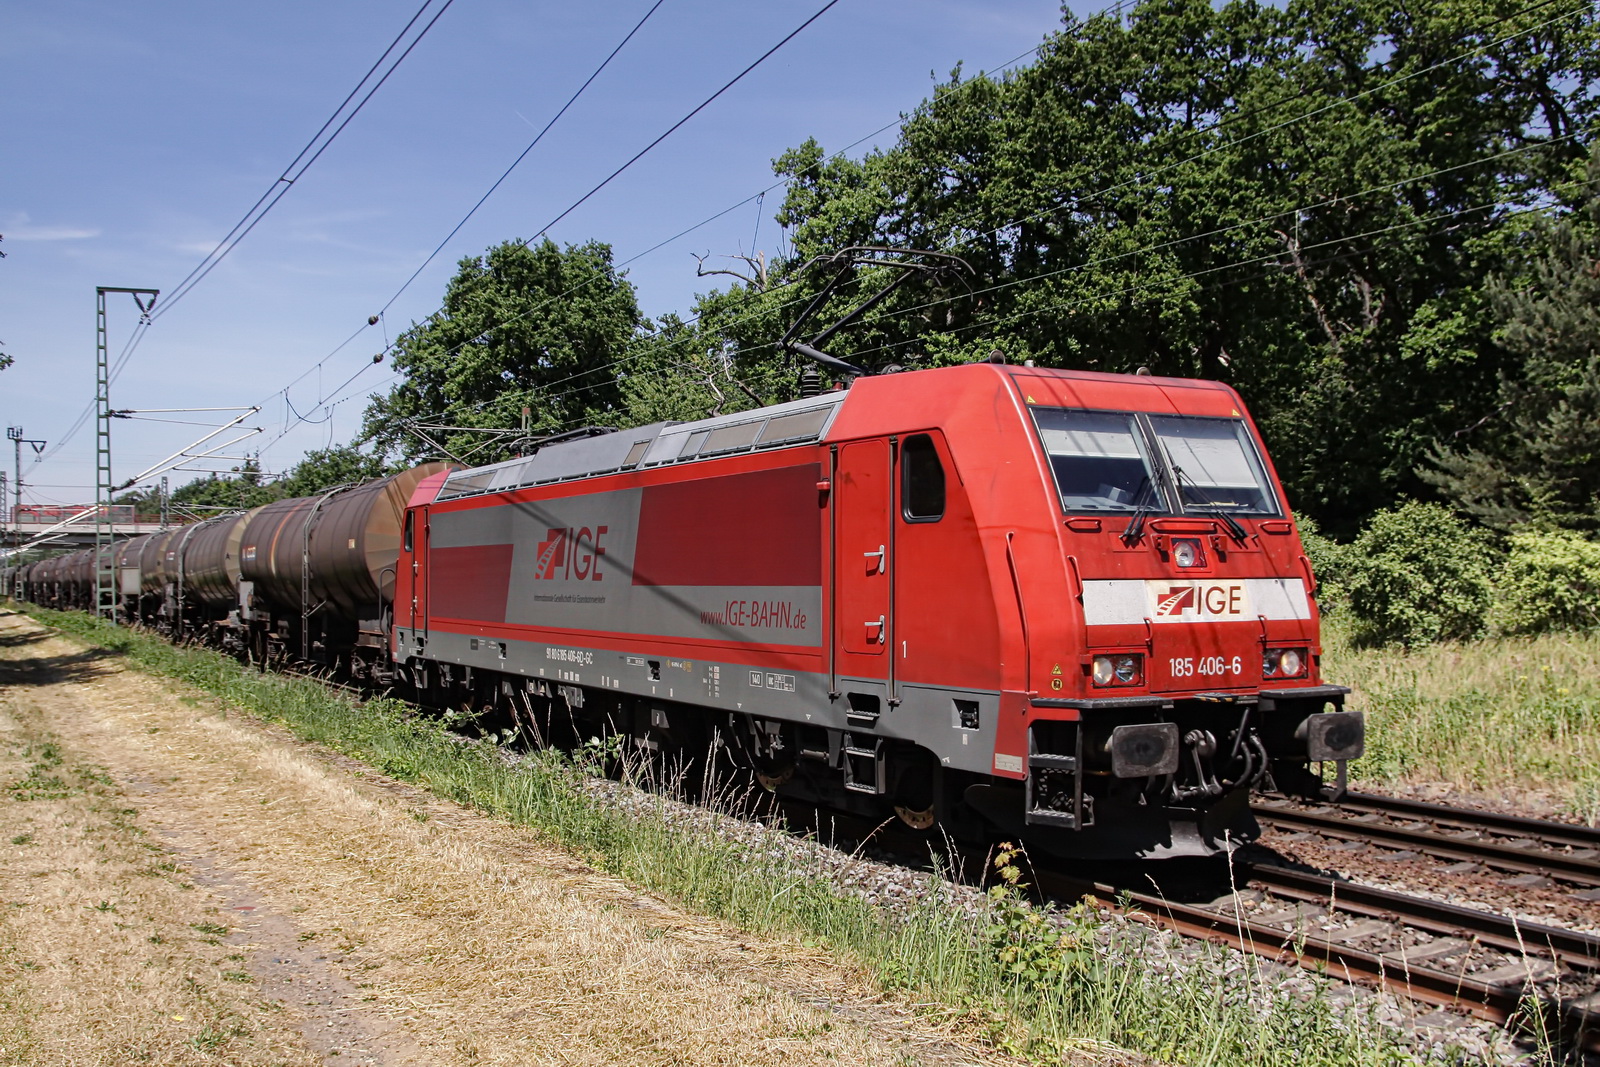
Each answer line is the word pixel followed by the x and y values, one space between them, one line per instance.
pixel 1099 459
pixel 1214 465
pixel 1123 461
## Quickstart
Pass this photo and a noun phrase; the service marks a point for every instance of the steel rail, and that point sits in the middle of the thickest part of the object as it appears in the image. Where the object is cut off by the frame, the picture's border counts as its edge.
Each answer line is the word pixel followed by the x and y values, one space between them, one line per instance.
pixel 1581 950
pixel 1558 834
pixel 1568 867
pixel 1575 1020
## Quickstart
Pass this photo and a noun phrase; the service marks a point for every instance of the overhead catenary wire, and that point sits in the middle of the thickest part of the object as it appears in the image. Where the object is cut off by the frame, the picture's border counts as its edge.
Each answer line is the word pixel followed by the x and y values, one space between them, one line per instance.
pixel 1148 175
pixel 1387 83
pixel 371 321
pixel 531 145
pixel 1163 281
pixel 307 156
pixel 679 124
pixel 1102 260
pixel 268 199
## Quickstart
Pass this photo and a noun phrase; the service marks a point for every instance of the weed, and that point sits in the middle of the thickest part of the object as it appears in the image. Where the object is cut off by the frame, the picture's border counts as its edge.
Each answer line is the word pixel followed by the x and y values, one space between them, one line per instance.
pixel 1035 982
pixel 22 839
pixel 210 929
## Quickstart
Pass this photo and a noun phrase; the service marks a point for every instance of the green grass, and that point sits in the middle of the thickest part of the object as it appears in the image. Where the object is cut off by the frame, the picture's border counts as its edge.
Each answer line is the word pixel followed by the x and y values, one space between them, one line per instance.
pixel 1496 714
pixel 1029 987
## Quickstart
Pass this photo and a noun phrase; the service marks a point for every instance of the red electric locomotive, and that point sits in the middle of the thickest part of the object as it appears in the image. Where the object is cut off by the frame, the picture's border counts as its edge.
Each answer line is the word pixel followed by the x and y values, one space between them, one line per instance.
pixel 1066 606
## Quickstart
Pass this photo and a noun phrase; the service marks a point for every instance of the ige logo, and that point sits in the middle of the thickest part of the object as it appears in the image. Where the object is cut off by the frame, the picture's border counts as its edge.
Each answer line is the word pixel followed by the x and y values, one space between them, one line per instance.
pixel 1175 601
pixel 570 553
pixel 1199 600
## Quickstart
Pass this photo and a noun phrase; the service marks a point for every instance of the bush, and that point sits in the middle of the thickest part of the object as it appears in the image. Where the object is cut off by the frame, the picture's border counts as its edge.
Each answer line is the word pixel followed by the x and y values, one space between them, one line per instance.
pixel 1550 582
pixel 1417 574
pixel 1328 564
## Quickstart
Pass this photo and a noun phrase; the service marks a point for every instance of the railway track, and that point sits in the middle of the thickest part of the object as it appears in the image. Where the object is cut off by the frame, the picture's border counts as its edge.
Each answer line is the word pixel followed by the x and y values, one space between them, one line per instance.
pixel 1511 843
pixel 1490 966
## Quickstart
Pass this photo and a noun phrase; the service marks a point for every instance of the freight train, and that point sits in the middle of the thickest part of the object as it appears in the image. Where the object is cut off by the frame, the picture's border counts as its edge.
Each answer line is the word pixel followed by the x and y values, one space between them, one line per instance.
pixel 1067 607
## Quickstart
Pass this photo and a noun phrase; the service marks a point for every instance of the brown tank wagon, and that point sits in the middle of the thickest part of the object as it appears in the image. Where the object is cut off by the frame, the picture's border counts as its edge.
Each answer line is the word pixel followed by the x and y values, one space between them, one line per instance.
pixel 211 560
pixel 339 547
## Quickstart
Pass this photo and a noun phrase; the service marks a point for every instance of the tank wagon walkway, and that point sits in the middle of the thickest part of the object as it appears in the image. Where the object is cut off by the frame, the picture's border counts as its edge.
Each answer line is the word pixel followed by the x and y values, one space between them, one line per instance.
pixel 180 884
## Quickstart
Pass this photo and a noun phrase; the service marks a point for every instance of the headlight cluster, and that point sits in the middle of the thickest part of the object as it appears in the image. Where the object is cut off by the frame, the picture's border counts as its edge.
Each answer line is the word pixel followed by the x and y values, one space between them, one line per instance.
pixel 1284 663
pixel 1120 669
pixel 1188 553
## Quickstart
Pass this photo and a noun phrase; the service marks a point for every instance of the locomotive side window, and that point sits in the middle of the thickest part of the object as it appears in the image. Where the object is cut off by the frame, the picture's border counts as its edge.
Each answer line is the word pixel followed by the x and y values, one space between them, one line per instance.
pixel 406 540
pixel 1214 464
pixel 921 480
pixel 1098 459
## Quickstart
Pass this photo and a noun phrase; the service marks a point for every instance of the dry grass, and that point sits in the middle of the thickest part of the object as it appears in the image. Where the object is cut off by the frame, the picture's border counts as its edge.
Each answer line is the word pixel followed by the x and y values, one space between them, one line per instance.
pixel 105 954
pixel 1511 718
pixel 485 946
pixel 1058 1002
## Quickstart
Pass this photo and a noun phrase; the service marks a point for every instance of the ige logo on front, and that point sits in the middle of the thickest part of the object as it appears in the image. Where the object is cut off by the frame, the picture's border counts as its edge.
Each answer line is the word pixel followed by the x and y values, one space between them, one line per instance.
pixel 570 553
pixel 1193 601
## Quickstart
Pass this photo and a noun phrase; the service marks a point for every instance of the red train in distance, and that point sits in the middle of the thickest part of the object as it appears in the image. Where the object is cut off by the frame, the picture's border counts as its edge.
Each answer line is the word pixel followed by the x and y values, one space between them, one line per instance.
pixel 1067 607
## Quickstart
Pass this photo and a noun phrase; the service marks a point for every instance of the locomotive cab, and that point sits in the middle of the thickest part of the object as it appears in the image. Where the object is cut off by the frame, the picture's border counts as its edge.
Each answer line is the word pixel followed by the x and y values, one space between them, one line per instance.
pixel 1188 670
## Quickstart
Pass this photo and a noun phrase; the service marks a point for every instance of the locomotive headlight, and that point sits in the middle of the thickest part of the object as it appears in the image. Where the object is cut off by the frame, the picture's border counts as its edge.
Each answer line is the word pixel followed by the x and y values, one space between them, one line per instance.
pixel 1187 554
pixel 1283 663
pixel 1118 669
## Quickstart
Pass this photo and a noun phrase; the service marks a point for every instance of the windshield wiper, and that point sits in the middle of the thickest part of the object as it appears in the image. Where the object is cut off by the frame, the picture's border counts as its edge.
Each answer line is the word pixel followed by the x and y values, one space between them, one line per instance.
pixel 1135 528
pixel 1236 531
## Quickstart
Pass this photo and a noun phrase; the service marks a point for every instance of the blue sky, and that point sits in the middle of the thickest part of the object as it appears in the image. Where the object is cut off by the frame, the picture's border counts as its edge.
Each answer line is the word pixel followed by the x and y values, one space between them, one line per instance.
pixel 135 135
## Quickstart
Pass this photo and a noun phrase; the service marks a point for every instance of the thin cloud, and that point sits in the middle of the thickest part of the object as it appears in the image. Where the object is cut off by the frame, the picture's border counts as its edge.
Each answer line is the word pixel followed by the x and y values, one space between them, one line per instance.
pixel 49 233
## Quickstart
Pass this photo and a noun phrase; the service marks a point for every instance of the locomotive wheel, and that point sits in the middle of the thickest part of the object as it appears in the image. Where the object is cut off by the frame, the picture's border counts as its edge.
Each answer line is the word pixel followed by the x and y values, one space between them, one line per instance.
pixel 917 820
pixel 770 781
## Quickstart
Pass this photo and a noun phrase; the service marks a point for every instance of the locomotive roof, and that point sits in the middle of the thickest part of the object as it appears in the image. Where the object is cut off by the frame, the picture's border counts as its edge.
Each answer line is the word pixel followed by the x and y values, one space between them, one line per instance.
pixel 659 444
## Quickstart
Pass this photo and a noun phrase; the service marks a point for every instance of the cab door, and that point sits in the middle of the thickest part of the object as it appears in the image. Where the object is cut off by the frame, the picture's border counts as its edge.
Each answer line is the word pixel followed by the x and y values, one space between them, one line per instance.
pixel 416 542
pixel 864 558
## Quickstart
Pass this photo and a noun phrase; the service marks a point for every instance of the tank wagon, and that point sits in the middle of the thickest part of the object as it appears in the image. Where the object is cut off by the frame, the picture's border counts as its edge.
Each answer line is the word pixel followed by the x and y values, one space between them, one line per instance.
pixel 1070 607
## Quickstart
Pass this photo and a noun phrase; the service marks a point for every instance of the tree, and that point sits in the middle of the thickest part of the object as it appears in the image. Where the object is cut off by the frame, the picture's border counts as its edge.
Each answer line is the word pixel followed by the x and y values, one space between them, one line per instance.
pixel 325 468
pixel 531 326
pixel 1536 457
pixel 1303 201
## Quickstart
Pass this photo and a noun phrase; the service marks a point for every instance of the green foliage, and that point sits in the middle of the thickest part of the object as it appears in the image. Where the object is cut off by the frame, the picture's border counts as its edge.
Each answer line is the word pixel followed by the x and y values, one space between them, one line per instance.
pixel 324 468
pixel 1550 582
pixel 1328 563
pixel 533 326
pixel 320 469
pixel 1035 950
pixel 1536 456
pixel 1044 986
pixel 1418 574
pixel 1294 199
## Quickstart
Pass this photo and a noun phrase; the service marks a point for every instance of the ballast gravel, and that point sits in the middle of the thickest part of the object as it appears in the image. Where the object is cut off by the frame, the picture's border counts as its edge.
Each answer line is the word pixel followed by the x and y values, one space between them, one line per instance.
pixel 898 885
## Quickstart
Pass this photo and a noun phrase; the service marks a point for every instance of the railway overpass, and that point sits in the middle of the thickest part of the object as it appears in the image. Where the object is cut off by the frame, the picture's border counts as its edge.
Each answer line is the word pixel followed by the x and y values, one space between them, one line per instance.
pixel 73 536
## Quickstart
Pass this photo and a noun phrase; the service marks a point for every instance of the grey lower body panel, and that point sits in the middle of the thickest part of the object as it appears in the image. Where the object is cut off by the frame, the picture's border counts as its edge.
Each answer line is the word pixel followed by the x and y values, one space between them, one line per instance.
pixel 956 725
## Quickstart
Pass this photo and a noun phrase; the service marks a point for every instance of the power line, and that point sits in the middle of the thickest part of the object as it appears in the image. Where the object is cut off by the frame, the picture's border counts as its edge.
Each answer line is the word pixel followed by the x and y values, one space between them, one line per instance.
pixel 306 157
pixel 1115 10
pixel 372 321
pixel 269 199
pixel 1165 280
pixel 531 144
pixel 608 179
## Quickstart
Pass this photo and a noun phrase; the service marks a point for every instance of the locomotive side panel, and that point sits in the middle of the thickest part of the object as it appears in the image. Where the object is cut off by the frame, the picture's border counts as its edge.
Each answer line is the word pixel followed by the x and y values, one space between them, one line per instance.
pixel 702 586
